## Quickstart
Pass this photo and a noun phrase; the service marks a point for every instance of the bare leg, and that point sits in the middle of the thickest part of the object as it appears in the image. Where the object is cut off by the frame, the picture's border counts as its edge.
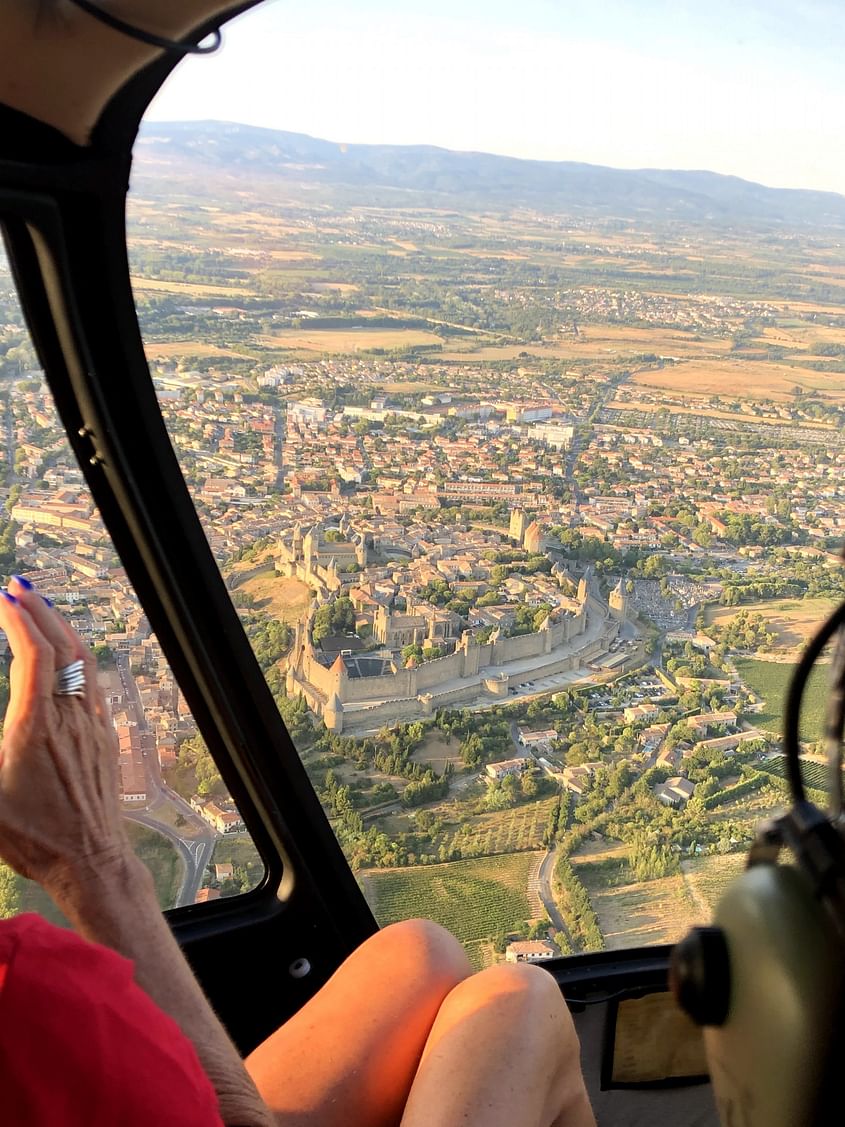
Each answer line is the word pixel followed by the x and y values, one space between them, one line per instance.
pixel 348 1058
pixel 503 1052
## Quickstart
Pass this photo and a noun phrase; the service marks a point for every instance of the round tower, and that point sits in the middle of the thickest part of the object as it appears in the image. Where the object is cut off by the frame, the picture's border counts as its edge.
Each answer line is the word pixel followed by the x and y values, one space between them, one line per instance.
pixel 333 714
pixel 617 600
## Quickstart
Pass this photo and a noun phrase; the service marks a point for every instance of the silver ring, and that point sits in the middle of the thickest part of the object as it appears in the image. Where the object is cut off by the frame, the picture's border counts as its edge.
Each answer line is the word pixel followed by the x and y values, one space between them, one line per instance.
pixel 70 681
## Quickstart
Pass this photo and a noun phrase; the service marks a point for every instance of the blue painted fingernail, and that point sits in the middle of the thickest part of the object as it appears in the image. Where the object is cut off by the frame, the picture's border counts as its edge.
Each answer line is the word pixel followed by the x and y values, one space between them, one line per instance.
pixel 25 583
pixel 9 598
pixel 49 602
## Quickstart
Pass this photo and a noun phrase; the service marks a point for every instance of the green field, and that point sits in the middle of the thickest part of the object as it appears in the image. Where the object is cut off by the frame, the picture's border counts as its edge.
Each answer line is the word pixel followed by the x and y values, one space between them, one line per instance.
pixel 161 858
pixel 813 773
pixel 769 680
pixel 240 850
pixel 473 899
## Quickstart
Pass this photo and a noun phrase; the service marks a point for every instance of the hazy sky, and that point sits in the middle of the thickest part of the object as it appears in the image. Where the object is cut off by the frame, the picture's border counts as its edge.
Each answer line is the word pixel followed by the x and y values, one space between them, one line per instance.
pixel 750 87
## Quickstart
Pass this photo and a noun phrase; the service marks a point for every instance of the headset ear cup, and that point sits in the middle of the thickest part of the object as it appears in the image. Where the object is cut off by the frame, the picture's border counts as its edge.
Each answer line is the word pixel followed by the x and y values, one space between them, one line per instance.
pixel 700 975
pixel 771 1057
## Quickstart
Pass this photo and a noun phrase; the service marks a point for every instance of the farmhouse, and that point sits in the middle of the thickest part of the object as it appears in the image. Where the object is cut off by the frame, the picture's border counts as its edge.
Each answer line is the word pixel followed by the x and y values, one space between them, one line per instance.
pixel 707 720
pixel 506 767
pixel 577 779
pixel 541 739
pixel 639 713
pixel 530 951
pixel 675 791
pixel 650 737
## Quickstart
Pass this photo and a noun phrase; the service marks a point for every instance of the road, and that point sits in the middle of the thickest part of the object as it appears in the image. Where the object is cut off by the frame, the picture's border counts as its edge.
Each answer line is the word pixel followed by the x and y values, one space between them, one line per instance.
pixel 195 854
pixel 544 887
pixel 195 847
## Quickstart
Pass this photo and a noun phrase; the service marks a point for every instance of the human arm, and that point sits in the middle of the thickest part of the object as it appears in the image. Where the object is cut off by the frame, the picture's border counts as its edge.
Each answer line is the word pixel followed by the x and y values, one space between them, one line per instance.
pixel 60 824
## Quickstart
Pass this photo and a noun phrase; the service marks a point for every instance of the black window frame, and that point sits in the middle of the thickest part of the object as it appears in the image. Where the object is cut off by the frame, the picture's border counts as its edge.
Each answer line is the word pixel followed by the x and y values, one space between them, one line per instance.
pixel 62 212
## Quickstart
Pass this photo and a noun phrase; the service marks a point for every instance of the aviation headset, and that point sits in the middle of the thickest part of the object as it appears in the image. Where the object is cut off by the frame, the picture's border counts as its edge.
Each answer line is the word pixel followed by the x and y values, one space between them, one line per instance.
pixel 766 979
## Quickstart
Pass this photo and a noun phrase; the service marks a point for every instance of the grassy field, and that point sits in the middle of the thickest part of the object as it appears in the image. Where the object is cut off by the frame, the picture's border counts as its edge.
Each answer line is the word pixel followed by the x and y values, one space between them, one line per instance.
pixel 652 911
pixel 157 853
pixel 167 350
pixel 282 598
pixel 769 680
pixel 633 914
pixel 707 877
pixel 240 850
pixel 473 899
pixel 34 899
pixel 435 752
pixel 747 379
pixel 793 621
pixel 161 858
pixel 328 341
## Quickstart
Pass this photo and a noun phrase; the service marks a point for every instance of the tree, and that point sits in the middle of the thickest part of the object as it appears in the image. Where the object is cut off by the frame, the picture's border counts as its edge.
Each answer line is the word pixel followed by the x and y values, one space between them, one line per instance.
pixel 10 897
pixel 472 750
pixel 334 618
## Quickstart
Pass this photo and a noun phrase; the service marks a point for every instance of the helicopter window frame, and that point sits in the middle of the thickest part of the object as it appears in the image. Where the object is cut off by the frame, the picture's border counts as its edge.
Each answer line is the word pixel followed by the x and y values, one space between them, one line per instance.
pixel 57 241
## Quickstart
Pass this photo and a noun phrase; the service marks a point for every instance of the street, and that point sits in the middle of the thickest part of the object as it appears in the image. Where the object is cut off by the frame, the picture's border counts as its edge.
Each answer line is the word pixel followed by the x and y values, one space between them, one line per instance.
pixel 197 845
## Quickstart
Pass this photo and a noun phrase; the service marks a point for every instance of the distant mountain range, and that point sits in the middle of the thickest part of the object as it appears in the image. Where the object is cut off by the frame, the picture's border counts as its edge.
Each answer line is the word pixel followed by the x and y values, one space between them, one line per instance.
pixel 455 179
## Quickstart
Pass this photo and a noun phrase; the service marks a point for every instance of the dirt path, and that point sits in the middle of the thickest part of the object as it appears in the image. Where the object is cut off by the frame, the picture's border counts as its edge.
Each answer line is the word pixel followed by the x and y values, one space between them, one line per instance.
pixel 695 893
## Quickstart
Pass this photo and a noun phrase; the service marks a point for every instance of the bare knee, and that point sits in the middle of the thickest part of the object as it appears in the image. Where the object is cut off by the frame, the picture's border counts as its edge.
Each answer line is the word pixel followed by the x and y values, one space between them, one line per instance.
pixel 530 985
pixel 424 947
pixel 526 997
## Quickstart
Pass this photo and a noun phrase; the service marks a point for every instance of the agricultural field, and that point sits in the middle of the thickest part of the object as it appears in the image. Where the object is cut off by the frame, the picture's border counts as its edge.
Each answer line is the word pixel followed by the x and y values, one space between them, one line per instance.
pixel 625 403
pixel 792 621
pixel 190 289
pixel 332 341
pixel 769 680
pixel 653 911
pixel 505 831
pixel 748 379
pixel 474 899
pixel 185 349
pixel 814 772
pixel 633 914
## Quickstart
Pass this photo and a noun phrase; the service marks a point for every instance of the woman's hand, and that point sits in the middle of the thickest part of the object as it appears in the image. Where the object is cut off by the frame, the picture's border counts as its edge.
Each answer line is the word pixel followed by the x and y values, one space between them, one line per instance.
pixel 59 805
pixel 60 823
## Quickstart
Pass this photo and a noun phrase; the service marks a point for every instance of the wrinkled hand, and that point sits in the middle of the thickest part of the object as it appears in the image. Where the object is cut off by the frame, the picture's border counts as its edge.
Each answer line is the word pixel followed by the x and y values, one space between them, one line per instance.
pixel 59 759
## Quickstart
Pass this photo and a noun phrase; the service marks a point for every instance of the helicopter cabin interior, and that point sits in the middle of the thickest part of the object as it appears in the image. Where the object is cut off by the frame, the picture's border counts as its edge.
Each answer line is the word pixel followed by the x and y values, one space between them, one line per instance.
pixel 73 92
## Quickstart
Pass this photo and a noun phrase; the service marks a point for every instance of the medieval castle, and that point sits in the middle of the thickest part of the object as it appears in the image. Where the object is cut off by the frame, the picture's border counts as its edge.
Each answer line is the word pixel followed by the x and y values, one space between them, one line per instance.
pixel 353 689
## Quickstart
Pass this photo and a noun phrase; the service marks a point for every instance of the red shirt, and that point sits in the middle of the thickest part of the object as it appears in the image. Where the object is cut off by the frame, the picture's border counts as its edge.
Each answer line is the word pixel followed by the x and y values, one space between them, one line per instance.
pixel 81 1045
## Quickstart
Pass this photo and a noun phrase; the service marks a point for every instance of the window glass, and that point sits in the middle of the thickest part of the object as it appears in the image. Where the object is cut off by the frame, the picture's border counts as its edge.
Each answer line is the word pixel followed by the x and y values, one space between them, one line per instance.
pixel 179 816
pixel 526 487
